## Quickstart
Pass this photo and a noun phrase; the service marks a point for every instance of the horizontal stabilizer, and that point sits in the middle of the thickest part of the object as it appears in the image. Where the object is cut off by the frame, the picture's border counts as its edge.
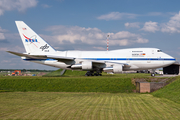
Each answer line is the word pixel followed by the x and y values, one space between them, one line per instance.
pixel 59 58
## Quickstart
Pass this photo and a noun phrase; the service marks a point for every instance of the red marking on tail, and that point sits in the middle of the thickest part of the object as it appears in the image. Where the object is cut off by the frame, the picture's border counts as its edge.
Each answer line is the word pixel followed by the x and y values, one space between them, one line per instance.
pixel 26 37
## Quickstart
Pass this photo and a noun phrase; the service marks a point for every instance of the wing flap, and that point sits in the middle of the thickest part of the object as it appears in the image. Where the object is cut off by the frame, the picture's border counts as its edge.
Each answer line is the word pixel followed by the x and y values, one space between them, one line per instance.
pixel 104 62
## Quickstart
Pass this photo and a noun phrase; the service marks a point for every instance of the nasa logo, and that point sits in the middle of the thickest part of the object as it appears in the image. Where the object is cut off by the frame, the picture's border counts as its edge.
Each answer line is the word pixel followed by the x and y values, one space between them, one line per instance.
pixel 30 40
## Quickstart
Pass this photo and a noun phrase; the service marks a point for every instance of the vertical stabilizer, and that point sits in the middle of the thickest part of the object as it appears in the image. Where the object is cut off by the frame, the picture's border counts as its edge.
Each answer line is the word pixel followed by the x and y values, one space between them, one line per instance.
pixel 33 43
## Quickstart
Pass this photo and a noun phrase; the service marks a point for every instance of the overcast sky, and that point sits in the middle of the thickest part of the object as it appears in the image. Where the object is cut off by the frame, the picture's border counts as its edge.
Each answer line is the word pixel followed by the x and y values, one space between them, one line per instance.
pixel 84 25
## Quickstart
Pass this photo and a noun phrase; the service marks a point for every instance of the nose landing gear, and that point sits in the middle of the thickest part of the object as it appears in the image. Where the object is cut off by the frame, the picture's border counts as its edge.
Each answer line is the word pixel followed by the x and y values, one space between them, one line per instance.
pixel 153 72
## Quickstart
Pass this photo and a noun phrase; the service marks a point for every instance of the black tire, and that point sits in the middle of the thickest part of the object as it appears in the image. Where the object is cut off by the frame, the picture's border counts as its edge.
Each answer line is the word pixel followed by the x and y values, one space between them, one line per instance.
pixel 95 74
pixel 153 74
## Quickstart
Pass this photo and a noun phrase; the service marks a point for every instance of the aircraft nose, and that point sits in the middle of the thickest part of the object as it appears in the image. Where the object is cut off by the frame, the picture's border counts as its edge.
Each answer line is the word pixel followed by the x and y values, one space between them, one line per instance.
pixel 172 59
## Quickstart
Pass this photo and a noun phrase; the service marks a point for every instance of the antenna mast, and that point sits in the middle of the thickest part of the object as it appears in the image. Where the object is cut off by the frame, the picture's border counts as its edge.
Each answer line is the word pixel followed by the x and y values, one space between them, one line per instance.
pixel 107 42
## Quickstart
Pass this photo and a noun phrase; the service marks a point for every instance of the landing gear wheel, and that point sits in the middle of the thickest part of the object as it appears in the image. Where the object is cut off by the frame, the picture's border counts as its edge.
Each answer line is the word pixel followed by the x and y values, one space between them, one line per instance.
pixel 89 73
pixel 95 74
pixel 153 74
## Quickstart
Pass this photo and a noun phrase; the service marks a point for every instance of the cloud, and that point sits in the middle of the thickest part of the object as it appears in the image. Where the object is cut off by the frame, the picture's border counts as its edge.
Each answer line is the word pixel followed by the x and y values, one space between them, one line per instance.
pixel 91 36
pixel 167 14
pixel 20 5
pixel 150 26
pixel 117 16
pixel 76 34
pixel 3 49
pixel 124 38
pixel 3 30
pixel 2 37
pixel 141 40
pixel 99 48
pixel 155 14
pixel 173 25
pixel 46 6
pixel 132 25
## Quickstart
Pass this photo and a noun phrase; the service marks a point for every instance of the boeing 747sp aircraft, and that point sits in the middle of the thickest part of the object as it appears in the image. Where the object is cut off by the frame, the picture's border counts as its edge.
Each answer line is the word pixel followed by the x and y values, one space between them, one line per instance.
pixel 116 61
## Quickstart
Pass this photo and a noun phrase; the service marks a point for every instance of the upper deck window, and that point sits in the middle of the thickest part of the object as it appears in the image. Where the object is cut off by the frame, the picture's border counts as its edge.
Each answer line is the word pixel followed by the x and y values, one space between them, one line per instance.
pixel 159 50
pixel 137 51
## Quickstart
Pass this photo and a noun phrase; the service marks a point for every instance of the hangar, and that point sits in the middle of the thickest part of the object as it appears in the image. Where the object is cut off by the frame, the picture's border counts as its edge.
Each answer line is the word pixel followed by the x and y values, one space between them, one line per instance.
pixel 172 69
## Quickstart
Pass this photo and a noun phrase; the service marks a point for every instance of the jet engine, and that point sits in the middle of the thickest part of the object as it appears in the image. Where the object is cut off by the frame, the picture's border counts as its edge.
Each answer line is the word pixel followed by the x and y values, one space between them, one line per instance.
pixel 117 68
pixel 86 65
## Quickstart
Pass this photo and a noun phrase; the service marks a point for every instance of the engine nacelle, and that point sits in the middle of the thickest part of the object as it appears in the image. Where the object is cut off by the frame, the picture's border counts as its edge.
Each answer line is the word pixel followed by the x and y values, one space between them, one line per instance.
pixel 86 65
pixel 117 68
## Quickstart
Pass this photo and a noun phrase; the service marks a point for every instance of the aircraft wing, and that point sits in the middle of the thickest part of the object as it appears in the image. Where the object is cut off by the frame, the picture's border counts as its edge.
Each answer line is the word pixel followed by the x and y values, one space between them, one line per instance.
pixel 102 64
pixel 68 60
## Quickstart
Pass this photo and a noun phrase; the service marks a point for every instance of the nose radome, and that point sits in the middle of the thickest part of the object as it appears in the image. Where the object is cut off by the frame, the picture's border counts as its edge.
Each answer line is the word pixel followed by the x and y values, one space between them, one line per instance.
pixel 167 56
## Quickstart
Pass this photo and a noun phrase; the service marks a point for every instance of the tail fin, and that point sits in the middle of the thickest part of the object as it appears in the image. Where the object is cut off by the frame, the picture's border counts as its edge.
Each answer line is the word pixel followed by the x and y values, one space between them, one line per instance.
pixel 33 43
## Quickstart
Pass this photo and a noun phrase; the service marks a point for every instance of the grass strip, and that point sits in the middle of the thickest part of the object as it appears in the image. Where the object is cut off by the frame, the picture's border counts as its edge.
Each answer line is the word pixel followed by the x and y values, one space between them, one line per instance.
pixel 171 91
pixel 67 84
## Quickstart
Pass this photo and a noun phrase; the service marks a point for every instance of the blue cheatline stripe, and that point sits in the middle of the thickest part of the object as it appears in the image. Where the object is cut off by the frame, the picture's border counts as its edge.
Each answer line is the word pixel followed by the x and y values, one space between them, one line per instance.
pixel 135 59
pixel 156 59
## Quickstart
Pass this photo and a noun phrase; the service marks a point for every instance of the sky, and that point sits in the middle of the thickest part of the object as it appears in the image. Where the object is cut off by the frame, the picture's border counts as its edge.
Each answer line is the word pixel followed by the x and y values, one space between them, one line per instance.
pixel 84 25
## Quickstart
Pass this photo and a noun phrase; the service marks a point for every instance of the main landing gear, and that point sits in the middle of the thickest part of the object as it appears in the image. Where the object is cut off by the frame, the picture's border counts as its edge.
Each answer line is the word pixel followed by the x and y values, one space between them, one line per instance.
pixel 91 73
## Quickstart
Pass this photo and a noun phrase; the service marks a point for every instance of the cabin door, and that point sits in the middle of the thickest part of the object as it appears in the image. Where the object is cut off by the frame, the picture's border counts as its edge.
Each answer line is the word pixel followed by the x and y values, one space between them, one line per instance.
pixel 148 59
pixel 127 59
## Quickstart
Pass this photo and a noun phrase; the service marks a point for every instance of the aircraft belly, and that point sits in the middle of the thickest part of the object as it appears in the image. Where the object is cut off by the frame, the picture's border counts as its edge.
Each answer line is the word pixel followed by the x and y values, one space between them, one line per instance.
pixel 152 64
pixel 53 64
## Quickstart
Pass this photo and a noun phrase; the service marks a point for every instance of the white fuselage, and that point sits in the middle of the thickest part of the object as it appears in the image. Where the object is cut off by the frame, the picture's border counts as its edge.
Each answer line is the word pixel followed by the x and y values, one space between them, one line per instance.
pixel 136 58
pixel 39 51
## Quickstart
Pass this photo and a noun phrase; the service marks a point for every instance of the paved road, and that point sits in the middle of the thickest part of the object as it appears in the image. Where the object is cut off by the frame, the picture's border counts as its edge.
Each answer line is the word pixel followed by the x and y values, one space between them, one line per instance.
pixel 167 76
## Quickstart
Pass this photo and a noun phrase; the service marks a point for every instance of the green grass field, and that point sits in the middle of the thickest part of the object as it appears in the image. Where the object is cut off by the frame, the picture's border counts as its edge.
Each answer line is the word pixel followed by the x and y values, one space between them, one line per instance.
pixel 54 73
pixel 171 91
pixel 82 106
pixel 66 84
pixel 67 73
pixel 107 83
pixel 78 97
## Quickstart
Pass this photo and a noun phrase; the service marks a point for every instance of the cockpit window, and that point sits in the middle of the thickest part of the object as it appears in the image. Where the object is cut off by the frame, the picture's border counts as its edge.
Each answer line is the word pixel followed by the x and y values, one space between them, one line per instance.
pixel 159 50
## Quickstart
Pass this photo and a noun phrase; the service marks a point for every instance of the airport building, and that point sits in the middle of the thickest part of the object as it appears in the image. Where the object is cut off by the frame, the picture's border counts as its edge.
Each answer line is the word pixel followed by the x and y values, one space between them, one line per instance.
pixel 172 69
